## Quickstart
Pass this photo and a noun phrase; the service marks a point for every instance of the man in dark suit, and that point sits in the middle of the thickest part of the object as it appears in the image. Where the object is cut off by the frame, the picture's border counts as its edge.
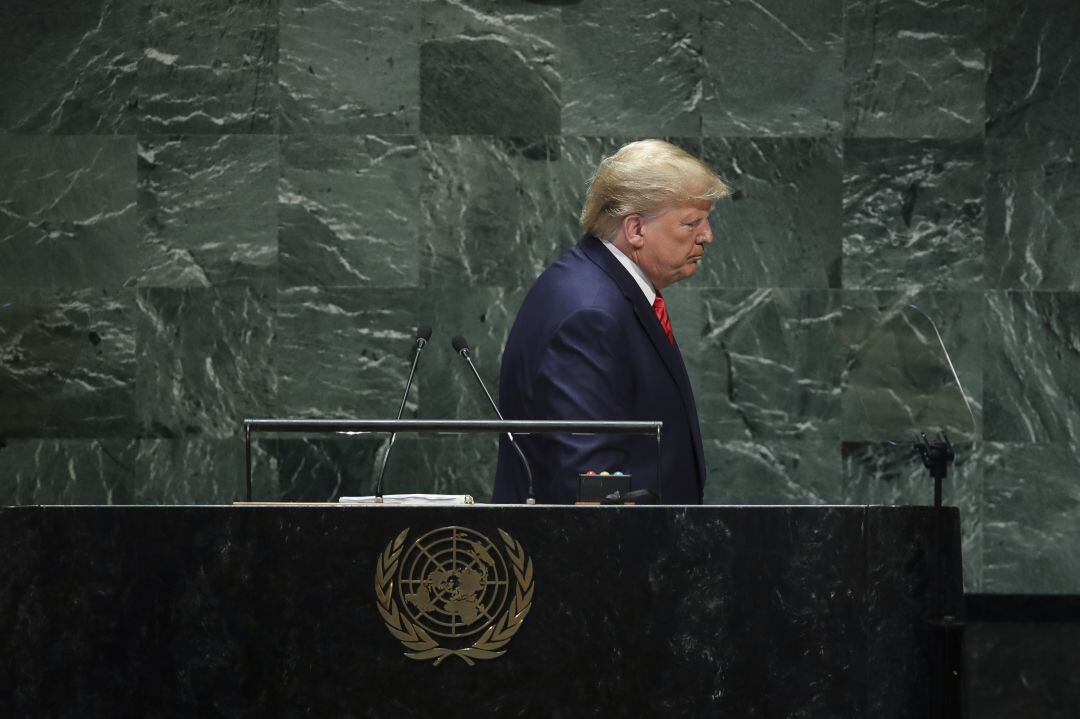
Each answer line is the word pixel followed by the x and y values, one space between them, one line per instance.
pixel 593 341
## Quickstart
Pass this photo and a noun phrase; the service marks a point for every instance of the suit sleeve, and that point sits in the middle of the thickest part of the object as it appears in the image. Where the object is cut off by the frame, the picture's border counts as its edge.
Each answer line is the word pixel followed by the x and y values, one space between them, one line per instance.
pixel 582 375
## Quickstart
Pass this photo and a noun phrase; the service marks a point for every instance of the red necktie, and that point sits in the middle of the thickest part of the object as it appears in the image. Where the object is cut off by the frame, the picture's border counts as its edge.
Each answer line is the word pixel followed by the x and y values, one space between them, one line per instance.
pixel 660 308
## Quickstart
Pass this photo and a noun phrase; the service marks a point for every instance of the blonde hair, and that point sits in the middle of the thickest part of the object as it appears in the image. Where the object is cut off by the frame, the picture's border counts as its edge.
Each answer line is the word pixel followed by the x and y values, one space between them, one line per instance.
pixel 645 177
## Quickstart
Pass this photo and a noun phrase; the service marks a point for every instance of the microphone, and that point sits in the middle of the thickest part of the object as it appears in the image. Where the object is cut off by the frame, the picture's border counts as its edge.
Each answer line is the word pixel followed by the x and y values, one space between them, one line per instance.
pixel 462 348
pixel 423 334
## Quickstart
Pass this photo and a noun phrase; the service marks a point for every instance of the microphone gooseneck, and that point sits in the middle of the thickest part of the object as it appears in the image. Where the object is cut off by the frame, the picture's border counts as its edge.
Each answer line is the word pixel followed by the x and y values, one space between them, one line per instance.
pixel 423 334
pixel 462 348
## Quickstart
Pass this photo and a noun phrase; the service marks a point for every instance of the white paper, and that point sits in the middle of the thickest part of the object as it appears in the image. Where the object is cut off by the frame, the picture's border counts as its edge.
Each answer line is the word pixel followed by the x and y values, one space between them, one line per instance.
pixel 413 499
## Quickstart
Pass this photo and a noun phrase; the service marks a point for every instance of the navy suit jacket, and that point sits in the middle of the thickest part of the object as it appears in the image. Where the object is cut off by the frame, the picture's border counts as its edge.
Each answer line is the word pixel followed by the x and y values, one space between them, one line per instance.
pixel 586 345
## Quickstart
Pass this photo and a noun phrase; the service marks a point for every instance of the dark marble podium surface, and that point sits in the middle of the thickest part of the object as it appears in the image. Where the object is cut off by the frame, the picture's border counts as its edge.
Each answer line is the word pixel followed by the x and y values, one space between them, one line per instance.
pixel 638 611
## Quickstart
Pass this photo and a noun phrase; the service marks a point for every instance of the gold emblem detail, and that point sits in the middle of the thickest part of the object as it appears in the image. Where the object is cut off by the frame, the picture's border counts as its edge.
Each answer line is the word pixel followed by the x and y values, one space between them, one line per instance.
pixel 453 583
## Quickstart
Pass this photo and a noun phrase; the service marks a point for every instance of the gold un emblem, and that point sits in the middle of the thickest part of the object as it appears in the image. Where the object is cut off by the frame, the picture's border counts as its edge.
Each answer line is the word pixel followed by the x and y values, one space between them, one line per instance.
pixel 449 586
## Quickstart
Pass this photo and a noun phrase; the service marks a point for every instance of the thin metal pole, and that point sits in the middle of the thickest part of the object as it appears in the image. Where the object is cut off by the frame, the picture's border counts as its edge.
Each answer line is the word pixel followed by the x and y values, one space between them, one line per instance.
pixel 659 473
pixel 938 621
pixel 247 461
pixel 517 426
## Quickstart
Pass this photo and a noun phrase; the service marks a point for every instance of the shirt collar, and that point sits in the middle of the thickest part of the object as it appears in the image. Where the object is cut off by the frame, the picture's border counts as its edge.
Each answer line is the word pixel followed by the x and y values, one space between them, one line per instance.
pixel 635 271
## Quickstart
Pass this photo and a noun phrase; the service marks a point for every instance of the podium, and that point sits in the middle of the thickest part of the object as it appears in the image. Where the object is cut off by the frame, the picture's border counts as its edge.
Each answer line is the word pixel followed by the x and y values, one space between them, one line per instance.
pixel 605 611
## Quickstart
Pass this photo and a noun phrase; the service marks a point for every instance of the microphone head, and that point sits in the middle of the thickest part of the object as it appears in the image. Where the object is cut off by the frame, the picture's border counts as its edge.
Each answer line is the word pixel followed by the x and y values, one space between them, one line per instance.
pixel 460 345
pixel 423 332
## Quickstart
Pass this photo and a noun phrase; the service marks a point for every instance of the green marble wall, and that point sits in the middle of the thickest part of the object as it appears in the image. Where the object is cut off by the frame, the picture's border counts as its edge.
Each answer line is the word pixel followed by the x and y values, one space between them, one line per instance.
pixel 212 210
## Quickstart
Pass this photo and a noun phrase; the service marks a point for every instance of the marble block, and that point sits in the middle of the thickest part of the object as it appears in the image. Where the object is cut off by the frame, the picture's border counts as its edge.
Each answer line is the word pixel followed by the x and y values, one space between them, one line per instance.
pixel 67 471
pixel 67 212
pixel 776 471
pixel 69 364
pixel 208 67
pixel 1033 214
pixel 319 468
pixel 1033 82
pixel 68 69
pixel 914 70
pixel 347 211
pixel 632 67
pixel 323 468
pixel 755 361
pixel 444 464
pixel 349 67
pixel 490 211
pixel 207 205
pixel 489 67
pixel 327 468
pixel 772 67
pixel 899 354
pixel 1032 518
pixel 782 225
pixel 1032 367
pixel 346 352
pixel 204 360
pixel 913 214
pixel 483 316
pixel 199 470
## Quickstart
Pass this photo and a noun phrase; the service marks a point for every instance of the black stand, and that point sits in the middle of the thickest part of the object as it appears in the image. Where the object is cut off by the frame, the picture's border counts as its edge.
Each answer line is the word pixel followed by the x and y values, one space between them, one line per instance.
pixel 947 690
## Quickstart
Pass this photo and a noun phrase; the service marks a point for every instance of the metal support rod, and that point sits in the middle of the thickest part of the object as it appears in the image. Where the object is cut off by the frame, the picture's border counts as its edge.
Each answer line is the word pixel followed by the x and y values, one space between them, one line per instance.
pixel 451 426
pixel 946 692
pixel 939 602
pixel 247 462
pixel 659 478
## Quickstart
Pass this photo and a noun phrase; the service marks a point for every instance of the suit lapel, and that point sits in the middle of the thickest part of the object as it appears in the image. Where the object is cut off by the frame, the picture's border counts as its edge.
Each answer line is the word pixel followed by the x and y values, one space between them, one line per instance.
pixel 594 249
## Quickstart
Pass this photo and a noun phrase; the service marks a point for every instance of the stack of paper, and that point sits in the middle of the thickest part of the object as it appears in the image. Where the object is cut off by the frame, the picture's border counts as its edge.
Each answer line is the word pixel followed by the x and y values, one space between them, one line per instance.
pixel 413 499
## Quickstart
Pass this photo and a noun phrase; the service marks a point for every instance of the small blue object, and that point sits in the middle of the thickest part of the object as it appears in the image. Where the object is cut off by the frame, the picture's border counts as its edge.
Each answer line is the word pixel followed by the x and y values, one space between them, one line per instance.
pixel 618 474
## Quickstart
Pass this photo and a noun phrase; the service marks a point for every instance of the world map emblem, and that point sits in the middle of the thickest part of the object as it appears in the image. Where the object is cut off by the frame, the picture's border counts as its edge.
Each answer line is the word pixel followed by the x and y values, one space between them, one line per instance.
pixel 454 592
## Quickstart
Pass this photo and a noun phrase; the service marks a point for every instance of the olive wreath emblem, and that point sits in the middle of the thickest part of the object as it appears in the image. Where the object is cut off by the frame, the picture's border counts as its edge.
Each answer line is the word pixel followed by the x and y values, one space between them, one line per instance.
pixel 420 643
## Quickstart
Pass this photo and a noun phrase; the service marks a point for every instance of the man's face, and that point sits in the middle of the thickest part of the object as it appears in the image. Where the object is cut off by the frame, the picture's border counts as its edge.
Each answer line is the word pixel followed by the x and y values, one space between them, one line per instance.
pixel 673 243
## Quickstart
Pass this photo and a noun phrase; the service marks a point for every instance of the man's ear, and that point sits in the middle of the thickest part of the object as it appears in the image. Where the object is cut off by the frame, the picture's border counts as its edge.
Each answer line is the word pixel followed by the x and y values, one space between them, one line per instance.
pixel 633 227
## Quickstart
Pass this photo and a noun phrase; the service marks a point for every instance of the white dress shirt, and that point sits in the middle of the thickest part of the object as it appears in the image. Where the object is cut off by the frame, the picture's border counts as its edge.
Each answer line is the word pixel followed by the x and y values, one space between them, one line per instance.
pixel 635 272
